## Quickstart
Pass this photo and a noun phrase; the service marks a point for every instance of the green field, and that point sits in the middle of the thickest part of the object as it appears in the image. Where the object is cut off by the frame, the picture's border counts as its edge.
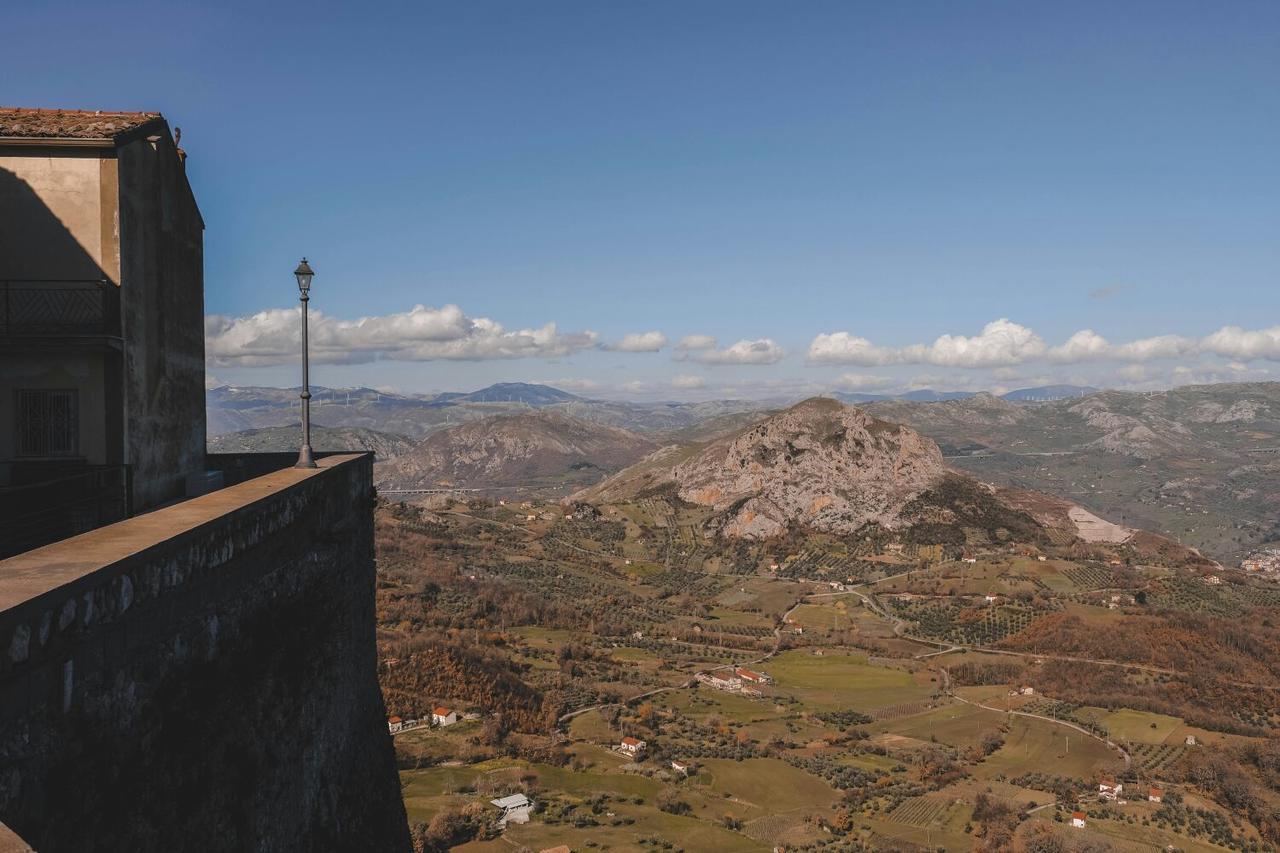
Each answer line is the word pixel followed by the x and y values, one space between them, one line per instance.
pixel 842 680
pixel 1129 725
pixel 956 724
pixel 767 784
pixel 1043 747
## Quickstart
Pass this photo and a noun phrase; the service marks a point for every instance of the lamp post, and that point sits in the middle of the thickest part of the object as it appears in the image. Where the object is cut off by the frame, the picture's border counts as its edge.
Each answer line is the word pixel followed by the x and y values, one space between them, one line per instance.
pixel 305 460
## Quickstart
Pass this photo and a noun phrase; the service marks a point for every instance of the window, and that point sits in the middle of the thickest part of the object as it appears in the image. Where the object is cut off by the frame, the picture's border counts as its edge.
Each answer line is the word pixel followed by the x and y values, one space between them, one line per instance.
pixel 48 422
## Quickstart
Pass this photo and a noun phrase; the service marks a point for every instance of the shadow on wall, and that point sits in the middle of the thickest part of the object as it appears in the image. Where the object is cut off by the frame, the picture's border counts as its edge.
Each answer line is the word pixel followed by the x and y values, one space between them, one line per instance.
pixel 35 244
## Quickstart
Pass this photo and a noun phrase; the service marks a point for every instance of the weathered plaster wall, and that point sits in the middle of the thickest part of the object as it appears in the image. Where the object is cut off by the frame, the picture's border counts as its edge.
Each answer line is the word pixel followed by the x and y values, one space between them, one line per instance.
pixel 212 690
pixel 162 313
pixel 53 204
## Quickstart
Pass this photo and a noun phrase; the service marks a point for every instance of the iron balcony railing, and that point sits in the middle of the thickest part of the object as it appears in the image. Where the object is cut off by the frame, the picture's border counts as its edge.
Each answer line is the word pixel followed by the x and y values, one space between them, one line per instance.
pixel 59 308
pixel 44 506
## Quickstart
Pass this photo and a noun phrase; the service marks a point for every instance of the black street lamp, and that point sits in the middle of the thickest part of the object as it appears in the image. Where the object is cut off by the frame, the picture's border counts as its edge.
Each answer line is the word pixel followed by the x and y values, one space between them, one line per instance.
pixel 305 460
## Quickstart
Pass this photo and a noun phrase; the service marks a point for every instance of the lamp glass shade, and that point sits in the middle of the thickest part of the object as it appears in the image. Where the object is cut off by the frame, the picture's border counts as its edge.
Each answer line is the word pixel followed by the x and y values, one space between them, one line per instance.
pixel 304 273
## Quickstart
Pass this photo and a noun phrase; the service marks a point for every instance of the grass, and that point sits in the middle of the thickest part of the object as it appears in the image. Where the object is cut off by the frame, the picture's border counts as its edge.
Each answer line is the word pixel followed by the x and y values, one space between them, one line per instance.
pixel 840 680
pixel 1136 726
pixel 958 725
pixel 703 703
pixel 767 784
pixel 1038 746
pixel 687 833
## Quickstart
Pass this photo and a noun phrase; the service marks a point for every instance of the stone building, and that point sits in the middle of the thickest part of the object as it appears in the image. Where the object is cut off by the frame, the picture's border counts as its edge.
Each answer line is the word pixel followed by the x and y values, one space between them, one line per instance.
pixel 101 321
pixel 154 666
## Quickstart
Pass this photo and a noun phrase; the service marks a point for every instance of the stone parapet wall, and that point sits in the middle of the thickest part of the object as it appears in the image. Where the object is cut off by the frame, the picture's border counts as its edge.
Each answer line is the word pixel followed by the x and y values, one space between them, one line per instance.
pixel 202 677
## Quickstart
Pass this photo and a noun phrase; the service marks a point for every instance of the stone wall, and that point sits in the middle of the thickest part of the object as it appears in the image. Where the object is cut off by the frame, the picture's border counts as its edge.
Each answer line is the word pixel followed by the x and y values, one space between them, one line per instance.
pixel 202 677
pixel 162 314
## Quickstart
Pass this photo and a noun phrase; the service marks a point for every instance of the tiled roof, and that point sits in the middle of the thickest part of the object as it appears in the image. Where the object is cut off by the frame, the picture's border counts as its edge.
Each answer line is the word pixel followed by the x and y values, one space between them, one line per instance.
pixel 442 711
pixel 24 122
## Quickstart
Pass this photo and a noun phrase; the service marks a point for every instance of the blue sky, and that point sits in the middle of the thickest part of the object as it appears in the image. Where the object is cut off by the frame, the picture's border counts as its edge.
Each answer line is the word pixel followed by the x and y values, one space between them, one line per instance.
pixel 853 191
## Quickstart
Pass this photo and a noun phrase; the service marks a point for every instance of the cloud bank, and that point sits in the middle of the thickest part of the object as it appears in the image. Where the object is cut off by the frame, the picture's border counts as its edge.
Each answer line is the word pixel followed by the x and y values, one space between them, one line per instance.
pixel 703 349
pixel 421 334
pixel 1004 343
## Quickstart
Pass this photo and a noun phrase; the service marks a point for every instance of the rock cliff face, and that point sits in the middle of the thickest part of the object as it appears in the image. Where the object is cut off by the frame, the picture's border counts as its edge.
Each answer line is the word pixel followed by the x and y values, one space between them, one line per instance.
pixel 539 448
pixel 819 464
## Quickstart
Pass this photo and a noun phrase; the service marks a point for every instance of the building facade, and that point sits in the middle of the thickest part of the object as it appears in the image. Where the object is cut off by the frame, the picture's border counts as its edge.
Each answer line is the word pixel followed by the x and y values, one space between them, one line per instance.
pixel 101 321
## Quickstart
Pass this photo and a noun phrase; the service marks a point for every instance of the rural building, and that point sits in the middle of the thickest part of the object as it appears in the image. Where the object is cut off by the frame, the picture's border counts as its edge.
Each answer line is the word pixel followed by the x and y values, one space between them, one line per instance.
pixel 1213 580
pixel 681 767
pixel 1190 741
pixel 442 716
pixel 633 747
pixel 1027 691
pixel 515 809
pixel 752 676
pixel 1077 819
pixel 394 724
pixel 1155 795
pixel 1109 788
pixel 720 680
pixel 102 410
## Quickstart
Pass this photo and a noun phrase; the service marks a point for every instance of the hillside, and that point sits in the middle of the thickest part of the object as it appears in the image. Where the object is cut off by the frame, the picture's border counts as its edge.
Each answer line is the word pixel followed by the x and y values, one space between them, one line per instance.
pixel 514 454
pixel 1196 462
pixel 283 438
pixel 818 464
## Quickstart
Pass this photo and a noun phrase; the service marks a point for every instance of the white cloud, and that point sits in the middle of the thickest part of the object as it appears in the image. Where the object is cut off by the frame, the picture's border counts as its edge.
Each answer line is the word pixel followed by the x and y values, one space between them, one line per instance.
pixel 1132 372
pixel 862 382
pixel 1236 343
pixel 844 348
pixel 696 342
pixel 421 334
pixel 686 382
pixel 1003 344
pixel 762 351
pixel 641 342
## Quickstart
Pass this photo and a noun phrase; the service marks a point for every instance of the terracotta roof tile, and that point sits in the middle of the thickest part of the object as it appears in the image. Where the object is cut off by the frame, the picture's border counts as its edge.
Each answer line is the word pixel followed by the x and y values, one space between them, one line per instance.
pixel 24 122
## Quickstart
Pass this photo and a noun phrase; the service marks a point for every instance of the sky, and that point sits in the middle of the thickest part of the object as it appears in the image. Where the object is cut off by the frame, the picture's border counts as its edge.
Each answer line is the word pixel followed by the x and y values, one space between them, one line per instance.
pixel 696 199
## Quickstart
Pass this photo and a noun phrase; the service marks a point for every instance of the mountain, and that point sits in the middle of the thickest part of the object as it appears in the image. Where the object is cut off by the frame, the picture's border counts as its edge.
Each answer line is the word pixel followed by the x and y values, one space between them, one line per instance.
pixel 274 439
pixel 922 395
pixel 819 464
pixel 1049 393
pixel 1199 462
pixel 1041 394
pixel 529 453
pixel 514 392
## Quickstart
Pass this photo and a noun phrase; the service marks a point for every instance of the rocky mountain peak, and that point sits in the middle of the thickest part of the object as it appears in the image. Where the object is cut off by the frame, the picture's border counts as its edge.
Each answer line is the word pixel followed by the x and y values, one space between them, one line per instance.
pixel 819 464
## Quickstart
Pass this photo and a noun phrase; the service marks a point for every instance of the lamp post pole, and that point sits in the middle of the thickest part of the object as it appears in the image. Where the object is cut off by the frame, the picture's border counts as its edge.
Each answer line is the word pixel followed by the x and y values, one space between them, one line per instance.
pixel 305 459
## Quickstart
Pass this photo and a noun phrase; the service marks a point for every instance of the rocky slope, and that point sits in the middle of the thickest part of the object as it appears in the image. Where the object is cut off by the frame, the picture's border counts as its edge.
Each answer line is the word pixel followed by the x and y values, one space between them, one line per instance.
pixel 535 450
pixel 819 464
pixel 384 445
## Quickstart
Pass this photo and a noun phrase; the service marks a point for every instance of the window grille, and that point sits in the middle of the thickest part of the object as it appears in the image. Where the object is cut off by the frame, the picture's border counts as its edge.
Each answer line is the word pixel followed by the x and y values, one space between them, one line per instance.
pixel 48 422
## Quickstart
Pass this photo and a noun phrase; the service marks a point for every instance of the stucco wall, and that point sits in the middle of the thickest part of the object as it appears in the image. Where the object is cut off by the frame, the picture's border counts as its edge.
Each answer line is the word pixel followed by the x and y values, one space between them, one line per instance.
pixel 56 213
pixel 162 314
pixel 209 685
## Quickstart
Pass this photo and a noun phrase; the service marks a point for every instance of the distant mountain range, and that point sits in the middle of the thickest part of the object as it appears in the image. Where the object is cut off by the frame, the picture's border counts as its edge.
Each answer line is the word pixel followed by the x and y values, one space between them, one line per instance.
pixel 1197 462
pixel 1042 394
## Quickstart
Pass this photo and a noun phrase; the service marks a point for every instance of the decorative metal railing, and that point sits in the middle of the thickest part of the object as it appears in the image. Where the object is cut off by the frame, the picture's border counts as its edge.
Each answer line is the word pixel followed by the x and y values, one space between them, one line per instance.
pixel 50 308
pixel 43 507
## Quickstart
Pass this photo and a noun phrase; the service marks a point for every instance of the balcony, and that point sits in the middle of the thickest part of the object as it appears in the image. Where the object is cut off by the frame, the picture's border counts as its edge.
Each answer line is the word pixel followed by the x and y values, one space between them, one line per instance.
pixel 58 310
pixel 43 504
